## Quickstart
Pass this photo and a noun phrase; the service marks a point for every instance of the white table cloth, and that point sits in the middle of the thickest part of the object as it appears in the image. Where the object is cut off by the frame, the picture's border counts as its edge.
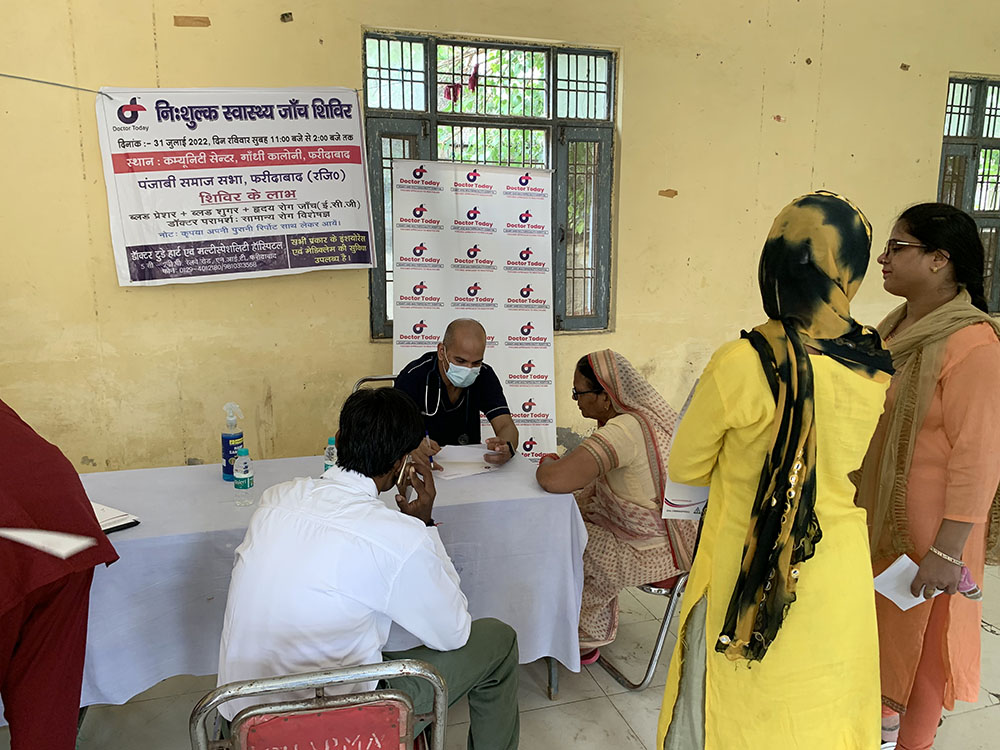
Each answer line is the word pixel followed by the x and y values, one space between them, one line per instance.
pixel 158 611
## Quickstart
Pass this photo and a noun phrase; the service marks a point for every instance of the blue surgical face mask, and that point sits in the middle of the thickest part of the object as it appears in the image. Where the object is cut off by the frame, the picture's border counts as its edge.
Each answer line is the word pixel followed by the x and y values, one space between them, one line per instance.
pixel 461 377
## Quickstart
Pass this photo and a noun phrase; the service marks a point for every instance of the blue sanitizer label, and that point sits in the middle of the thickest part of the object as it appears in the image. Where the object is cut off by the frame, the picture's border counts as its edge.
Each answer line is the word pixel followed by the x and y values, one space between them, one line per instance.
pixel 244 483
pixel 231 443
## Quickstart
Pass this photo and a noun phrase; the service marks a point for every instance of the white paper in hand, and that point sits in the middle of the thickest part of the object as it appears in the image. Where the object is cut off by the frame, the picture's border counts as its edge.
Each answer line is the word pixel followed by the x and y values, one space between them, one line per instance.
pixel 683 501
pixel 56 543
pixel 894 583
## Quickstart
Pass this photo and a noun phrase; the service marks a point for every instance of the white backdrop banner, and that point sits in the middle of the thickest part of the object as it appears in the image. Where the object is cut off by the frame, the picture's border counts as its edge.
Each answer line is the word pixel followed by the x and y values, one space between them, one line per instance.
pixel 220 184
pixel 475 242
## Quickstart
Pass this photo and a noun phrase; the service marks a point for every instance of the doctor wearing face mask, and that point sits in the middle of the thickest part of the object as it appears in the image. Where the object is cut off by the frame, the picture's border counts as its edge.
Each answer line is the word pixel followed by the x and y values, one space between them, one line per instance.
pixel 452 386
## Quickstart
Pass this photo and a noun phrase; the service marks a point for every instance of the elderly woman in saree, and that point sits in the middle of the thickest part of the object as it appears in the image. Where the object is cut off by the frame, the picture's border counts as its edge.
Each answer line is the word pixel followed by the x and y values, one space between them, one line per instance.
pixel 618 475
pixel 777 639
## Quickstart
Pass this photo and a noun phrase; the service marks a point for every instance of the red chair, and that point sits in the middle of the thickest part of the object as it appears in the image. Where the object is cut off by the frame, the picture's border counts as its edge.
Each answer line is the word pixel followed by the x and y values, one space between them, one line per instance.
pixel 673 589
pixel 374 719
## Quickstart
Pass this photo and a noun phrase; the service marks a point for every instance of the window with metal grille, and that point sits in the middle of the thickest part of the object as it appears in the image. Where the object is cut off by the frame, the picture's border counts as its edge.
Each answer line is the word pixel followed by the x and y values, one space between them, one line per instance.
pixel 516 105
pixel 970 164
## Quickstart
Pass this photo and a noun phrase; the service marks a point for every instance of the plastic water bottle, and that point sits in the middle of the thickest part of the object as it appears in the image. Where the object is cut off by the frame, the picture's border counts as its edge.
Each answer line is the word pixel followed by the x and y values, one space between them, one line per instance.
pixel 243 478
pixel 330 454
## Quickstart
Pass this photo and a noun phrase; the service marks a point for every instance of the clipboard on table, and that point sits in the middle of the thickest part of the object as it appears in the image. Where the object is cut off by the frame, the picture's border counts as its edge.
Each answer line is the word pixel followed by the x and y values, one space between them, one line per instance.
pixel 112 519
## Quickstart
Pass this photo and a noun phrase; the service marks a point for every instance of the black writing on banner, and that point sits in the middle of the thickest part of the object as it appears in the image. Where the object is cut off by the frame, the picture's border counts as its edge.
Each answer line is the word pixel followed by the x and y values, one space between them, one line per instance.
pixel 207 258
pixel 246 255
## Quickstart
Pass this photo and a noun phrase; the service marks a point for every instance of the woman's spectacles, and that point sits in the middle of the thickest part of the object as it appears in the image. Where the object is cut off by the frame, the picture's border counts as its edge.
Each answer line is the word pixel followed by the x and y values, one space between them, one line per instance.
pixel 894 246
pixel 577 394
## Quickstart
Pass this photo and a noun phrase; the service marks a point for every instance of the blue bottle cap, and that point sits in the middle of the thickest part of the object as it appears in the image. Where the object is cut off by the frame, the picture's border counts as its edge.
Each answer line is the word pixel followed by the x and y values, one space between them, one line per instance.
pixel 243 452
pixel 331 441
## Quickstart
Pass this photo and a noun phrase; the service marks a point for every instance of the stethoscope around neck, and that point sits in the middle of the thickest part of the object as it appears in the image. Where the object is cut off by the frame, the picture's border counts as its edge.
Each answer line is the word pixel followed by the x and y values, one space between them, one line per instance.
pixel 441 386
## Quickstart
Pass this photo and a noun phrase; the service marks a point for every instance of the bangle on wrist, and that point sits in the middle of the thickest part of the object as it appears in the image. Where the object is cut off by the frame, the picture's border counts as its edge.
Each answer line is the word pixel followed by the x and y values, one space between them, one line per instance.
pixel 945 556
pixel 512 451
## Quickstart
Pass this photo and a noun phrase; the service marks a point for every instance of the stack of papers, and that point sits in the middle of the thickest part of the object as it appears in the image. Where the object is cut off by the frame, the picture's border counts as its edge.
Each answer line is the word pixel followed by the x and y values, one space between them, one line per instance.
pixel 462 461
pixel 112 519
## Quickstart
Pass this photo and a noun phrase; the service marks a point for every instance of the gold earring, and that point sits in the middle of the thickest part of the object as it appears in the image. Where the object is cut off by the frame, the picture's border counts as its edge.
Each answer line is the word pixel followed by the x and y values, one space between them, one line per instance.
pixel 935 270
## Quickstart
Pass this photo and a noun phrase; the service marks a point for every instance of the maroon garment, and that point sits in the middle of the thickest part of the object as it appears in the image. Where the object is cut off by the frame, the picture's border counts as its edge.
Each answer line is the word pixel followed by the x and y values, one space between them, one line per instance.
pixel 40 489
pixel 43 640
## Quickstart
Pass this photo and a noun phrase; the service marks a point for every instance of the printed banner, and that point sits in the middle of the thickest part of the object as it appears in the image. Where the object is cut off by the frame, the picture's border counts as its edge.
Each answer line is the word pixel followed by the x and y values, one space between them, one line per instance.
pixel 219 184
pixel 475 242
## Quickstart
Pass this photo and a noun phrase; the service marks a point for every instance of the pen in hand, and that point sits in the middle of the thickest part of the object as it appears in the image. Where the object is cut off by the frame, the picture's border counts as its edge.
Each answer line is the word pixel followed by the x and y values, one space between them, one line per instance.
pixel 427 438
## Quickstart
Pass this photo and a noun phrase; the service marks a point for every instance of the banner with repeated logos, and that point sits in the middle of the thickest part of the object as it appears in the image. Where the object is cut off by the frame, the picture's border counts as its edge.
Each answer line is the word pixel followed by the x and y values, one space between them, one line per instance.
pixel 475 242
pixel 220 184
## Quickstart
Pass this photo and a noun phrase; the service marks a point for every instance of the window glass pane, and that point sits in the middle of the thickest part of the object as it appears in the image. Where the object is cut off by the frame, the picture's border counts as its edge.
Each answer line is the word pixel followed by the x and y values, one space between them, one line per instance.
pixel 953 179
pixel 502 146
pixel 581 250
pixel 394 75
pixel 958 111
pixel 583 86
pixel 393 147
pixel 991 121
pixel 501 81
pixel 988 180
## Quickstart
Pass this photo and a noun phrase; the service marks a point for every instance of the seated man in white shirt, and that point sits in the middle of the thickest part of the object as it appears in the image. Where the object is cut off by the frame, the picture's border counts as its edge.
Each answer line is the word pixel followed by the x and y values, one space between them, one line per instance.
pixel 326 568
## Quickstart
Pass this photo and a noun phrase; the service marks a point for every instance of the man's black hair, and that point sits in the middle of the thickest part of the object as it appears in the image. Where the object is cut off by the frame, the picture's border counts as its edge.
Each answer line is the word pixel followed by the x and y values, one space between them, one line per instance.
pixel 378 426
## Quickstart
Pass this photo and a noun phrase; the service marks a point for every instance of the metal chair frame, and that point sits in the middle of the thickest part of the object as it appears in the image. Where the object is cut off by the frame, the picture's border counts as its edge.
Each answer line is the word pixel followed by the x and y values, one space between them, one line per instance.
pixel 373 379
pixel 675 594
pixel 319 681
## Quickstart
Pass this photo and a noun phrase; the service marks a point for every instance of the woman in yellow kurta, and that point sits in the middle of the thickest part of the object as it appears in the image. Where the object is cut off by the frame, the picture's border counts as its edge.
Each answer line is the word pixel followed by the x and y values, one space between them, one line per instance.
pixel 931 473
pixel 778 644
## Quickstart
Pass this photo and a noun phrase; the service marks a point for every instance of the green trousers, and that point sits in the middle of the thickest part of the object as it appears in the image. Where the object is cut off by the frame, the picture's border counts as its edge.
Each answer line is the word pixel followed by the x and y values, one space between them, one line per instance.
pixel 485 670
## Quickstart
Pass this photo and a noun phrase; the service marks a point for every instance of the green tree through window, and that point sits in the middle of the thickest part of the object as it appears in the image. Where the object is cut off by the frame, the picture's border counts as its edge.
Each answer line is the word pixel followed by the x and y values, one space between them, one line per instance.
pixel 500 104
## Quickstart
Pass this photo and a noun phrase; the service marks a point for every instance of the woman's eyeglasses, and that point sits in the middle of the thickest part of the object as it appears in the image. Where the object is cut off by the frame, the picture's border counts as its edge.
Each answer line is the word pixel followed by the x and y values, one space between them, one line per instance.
pixel 894 246
pixel 577 394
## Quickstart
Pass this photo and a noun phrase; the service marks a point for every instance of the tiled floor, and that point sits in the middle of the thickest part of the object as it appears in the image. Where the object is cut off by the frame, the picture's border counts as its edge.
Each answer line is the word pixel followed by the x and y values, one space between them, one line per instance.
pixel 592 710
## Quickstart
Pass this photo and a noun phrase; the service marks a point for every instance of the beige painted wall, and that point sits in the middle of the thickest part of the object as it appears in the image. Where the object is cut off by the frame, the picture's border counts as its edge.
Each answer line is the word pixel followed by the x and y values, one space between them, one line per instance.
pixel 739 106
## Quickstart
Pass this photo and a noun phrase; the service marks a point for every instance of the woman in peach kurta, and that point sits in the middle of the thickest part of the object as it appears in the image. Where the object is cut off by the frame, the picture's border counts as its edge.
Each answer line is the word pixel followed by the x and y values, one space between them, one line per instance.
pixel 932 470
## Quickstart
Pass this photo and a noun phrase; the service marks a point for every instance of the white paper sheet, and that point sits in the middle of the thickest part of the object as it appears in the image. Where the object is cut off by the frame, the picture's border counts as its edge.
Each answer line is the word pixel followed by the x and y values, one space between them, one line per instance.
pixel 894 583
pixel 462 461
pixel 55 543
pixel 683 501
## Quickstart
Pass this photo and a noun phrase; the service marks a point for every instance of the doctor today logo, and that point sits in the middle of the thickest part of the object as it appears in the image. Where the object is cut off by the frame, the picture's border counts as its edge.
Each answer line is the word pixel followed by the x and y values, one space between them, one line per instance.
pixel 524 337
pixel 528 374
pixel 421 338
pixel 420 217
pixel 419 258
pixel 419 182
pixel 129 113
pixel 475 259
pixel 526 226
pixel 528 415
pixel 419 298
pixel 473 300
pixel 527 298
pixel 470 184
pixel 523 262
pixel 474 222
pixel 522 188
